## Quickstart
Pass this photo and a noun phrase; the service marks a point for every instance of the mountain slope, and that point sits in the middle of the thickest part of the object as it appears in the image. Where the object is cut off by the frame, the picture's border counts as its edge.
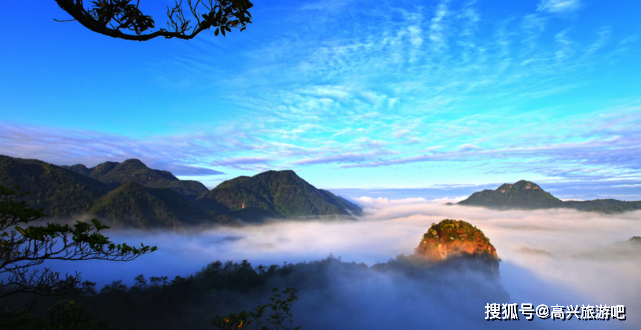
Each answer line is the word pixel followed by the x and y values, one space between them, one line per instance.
pixel 274 194
pixel 65 193
pixel 355 209
pixel 132 194
pixel 528 195
pixel 603 205
pixel 131 170
pixel 115 174
pixel 137 206
pixel 60 192
pixel 352 208
pixel 520 195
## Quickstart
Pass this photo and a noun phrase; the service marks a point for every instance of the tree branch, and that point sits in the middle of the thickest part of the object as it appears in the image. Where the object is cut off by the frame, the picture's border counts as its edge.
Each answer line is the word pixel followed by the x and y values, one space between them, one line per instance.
pixel 21 249
pixel 224 15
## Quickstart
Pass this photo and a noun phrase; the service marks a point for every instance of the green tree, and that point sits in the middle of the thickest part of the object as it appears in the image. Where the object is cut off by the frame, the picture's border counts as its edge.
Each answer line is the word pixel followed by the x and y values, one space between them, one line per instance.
pixel 281 312
pixel 141 281
pixel 112 17
pixel 23 248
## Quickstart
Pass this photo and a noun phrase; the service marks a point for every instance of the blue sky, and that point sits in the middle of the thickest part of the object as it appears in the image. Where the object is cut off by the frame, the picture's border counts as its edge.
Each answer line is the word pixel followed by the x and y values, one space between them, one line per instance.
pixel 350 94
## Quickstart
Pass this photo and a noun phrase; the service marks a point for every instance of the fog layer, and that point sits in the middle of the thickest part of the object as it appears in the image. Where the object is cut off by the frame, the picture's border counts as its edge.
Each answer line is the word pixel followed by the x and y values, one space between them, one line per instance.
pixel 548 257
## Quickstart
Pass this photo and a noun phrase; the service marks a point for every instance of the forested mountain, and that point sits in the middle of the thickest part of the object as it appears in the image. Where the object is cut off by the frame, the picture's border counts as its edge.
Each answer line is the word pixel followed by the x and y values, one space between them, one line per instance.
pixel 521 195
pixel 274 194
pixel 132 194
pixel 60 192
pixel 528 195
pixel 603 205
pixel 115 174
pixel 132 204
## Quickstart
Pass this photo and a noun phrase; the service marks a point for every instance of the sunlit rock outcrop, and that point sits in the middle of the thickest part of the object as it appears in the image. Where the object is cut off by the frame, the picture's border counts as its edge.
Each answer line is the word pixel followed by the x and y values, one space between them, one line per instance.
pixel 456 241
pixel 451 238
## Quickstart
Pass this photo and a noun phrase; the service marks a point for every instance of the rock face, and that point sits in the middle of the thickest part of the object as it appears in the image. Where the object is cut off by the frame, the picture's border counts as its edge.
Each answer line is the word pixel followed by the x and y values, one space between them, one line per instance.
pixel 454 238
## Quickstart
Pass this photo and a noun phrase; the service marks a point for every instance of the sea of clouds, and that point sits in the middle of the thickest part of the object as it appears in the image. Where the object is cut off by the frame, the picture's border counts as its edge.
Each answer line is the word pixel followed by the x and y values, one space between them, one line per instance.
pixel 551 257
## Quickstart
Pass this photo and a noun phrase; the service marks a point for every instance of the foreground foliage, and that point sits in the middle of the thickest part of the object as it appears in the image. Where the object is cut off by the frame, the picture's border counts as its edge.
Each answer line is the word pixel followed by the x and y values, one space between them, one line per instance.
pixel 280 306
pixel 227 288
pixel 23 249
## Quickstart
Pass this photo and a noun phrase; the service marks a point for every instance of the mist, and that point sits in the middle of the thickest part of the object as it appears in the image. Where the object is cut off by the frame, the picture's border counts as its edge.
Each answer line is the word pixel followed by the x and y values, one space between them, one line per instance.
pixel 557 256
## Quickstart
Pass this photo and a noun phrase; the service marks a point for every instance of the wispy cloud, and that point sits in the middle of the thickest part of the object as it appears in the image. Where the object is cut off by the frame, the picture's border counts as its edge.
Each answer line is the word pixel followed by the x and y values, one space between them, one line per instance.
pixel 603 147
pixel 437 27
pixel 447 86
pixel 183 170
pixel 559 6
pixel 325 5
pixel 244 163
pixel 350 158
pixel 606 147
pixel 182 155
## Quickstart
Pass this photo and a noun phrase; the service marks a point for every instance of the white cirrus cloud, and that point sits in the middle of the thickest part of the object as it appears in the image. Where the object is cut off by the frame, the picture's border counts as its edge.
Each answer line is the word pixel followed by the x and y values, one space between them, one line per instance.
pixel 559 6
pixel 382 200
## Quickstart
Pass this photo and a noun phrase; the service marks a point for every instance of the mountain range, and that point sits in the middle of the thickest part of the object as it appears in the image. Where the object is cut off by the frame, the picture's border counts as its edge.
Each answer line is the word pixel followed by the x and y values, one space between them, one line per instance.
pixel 528 195
pixel 274 194
pixel 132 194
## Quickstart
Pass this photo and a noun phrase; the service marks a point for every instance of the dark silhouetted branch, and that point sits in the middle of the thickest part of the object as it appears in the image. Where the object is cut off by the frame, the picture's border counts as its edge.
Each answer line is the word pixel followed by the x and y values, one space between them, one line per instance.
pixel 111 17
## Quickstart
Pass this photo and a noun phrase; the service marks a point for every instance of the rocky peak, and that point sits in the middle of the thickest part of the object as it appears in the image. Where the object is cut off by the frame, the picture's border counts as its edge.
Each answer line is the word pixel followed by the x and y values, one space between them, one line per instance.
pixel 450 238
pixel 520 185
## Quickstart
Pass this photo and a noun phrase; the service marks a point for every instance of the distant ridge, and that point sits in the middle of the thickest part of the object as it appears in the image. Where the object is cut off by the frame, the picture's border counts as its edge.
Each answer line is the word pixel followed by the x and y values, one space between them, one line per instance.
pixel 274 194
pixel 132 194
pixel 528 195
pixel 115 174
pixel 522 194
